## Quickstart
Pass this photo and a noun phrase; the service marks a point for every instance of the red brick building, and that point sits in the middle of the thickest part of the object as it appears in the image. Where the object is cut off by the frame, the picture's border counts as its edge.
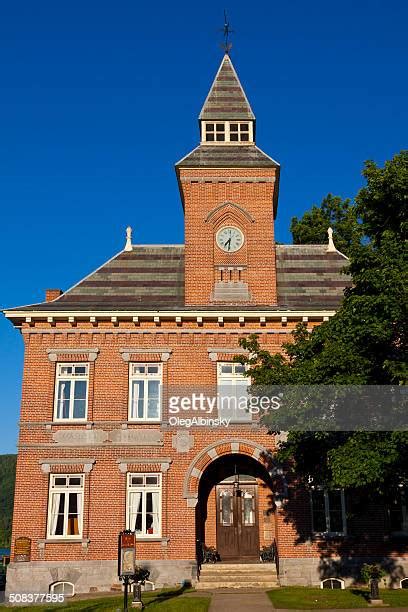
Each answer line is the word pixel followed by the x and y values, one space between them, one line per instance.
pixel 101 443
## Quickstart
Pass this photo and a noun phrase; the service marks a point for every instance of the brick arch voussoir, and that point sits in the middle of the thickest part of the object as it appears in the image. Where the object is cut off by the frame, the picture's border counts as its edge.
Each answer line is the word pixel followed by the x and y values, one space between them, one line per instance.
pixel 212 452
pixel 230 211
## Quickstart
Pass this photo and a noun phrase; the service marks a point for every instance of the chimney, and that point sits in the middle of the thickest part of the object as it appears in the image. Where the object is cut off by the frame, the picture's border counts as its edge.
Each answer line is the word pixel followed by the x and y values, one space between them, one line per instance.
pixel 52 294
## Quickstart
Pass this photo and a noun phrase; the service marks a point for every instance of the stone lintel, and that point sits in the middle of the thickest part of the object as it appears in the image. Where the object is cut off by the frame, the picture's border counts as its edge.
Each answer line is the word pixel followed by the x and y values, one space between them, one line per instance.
pixel 46 464
pixel 92 352
pixel 126 353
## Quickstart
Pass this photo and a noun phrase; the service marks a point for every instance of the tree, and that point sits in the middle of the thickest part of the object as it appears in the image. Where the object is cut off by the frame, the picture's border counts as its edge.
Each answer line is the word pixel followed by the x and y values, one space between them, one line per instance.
pixel 334 212
pixel 364 343
pixel 7 480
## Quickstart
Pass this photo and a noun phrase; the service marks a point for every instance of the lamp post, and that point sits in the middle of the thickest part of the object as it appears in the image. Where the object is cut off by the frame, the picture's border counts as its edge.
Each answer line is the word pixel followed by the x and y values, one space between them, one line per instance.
pixel 128 572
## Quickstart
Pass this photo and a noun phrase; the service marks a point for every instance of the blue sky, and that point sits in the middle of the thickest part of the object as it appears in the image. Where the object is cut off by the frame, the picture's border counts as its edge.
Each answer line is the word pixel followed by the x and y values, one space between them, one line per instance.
pixel 99 99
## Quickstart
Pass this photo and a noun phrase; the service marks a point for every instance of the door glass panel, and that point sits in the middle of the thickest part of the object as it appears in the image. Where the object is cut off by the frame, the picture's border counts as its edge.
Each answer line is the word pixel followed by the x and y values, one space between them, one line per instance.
pixel 248 509
pixel 226 508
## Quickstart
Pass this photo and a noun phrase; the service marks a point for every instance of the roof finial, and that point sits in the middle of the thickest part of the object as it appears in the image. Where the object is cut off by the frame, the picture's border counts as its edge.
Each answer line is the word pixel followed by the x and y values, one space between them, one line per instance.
pixel 227 31
pixel 128 245
pixel 330 247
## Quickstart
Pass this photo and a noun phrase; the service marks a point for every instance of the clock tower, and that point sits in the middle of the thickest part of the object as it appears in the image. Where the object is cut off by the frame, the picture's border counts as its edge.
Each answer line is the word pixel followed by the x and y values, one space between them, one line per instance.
pixel 229 189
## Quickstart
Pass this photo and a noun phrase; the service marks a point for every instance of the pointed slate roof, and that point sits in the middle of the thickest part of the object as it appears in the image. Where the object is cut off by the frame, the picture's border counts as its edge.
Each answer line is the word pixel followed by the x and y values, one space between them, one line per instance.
pixel 226 99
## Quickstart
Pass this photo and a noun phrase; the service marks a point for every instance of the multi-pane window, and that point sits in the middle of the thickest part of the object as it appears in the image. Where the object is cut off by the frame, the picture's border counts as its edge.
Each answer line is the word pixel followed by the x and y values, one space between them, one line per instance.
pixel 144 504
pixel 215 132
pixel 145 391
pixel 71 391
pixel 328 511
pixel 398 511
pixel 239 132
pixel 227 131
pixel 232 390
pixel 65 505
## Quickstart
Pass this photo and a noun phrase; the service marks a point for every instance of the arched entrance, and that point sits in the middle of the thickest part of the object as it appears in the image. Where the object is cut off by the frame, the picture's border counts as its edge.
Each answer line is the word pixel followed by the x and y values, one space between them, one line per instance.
pixel 234 504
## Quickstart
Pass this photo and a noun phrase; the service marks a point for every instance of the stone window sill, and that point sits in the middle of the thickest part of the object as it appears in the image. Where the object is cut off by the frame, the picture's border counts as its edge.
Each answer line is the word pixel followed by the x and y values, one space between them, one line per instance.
pixel 83 541
pixel 163 539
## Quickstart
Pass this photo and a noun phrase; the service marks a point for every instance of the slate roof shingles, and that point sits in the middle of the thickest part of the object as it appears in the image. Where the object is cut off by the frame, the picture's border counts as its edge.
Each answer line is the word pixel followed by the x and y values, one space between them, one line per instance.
pixel 152 278
pixel 226 99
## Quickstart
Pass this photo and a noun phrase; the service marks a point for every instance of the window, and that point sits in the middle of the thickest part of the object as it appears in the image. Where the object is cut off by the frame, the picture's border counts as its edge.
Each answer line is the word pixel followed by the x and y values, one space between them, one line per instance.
pixel 239 132
pixel 215 132
pixel 71 391
pixel 398 512
pixel 233 392
pixel 145 391
pixel 332 583
pixel 227 131
pixel 144 504
pixel 63 588
pixel 65 506
pixel 328 511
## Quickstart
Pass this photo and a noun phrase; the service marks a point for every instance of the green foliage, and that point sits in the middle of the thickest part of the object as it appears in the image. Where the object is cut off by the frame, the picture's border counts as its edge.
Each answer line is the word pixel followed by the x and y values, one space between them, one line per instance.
pixel 7 480
pixel 365 343
pixel 164 600
pixel 372 572
pixel 340 215
pixel 307 598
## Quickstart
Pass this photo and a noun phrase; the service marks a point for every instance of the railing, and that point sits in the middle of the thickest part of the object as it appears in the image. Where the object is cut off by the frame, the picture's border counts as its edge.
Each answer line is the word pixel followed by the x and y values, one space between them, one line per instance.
pixel 276 555
pixel 269 554
pixel 199 556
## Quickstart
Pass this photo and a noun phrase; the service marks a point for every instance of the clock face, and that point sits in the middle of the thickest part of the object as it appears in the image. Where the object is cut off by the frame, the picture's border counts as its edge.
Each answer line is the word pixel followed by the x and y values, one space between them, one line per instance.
pixel 230 239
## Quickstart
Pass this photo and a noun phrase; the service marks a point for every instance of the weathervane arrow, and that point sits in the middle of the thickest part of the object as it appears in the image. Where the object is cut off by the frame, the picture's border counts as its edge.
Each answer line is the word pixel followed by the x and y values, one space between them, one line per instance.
pixel 226 30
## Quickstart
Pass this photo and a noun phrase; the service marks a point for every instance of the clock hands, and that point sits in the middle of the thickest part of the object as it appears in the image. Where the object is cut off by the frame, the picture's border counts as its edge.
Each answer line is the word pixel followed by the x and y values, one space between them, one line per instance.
pixel 229 239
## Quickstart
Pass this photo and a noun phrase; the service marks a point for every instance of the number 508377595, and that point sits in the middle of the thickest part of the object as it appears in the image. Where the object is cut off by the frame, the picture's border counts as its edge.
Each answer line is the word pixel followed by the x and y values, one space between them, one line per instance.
pixel 36 598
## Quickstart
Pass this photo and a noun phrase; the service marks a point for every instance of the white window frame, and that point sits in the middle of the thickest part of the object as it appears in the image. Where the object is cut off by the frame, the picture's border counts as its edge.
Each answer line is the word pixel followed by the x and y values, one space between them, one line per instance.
pixel 227 125
pixel 232 379
pixel 143 489
pixel 340 580
pixel 72 378
pixel 328 531
pixel 145 377
pixel 53 489
pixel 240 130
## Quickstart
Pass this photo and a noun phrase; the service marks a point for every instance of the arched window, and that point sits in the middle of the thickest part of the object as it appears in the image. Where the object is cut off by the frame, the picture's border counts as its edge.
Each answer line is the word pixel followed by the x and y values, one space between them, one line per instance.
pixel 149 586
pixel 332 583
pixel 404 583
pixel 63 588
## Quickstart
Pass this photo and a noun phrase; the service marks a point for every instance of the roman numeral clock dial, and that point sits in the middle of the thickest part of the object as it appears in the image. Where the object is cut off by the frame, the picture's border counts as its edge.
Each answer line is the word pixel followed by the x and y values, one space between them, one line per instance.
pixel 229 239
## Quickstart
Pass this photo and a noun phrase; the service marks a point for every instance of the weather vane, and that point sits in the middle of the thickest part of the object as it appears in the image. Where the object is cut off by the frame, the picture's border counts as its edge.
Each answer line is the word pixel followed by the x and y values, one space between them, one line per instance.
pixel 226 31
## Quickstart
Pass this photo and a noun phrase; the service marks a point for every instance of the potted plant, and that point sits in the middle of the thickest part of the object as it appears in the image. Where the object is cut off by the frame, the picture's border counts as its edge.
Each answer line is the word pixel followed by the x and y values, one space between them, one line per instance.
pixel 372 574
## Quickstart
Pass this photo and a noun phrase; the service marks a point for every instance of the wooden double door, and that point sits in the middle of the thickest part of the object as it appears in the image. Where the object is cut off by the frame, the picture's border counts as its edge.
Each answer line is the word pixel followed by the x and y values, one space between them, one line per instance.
pixel 237 522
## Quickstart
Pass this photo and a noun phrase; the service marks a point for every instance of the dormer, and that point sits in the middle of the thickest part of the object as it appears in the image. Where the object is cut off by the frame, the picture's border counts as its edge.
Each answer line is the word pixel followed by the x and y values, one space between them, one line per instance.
pixel 226 116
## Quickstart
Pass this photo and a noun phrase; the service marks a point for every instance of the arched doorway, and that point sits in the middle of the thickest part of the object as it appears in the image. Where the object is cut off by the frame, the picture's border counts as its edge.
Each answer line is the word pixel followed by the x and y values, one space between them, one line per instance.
pixel 233 506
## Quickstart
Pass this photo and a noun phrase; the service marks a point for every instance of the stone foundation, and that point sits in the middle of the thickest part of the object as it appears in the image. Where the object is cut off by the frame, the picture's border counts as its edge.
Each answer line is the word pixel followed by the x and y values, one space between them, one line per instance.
pixel 311 571
pixel 91 576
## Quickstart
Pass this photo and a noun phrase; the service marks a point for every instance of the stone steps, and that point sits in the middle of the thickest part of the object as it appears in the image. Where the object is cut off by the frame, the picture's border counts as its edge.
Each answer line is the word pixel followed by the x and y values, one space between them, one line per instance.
pixel 237 576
